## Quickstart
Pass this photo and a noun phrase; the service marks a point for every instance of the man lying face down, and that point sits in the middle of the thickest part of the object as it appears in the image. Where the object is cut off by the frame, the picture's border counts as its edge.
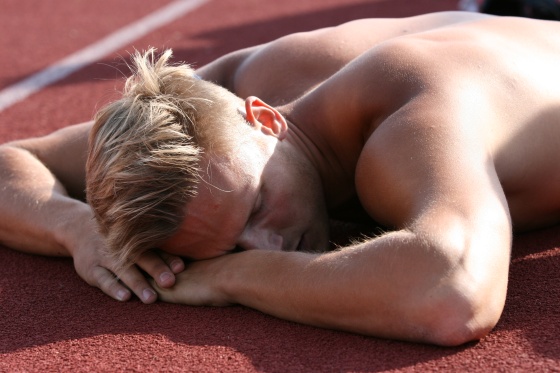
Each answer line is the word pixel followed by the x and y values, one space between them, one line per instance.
pixel 412 128
pixel 442 128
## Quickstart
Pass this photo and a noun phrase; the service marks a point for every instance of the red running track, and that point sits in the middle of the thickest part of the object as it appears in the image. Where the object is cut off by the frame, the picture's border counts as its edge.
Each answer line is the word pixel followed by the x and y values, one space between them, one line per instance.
pixel 52 321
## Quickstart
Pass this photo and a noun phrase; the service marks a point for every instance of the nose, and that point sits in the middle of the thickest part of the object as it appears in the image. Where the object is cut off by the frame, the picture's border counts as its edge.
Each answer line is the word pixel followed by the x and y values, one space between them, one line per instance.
pixel 260 239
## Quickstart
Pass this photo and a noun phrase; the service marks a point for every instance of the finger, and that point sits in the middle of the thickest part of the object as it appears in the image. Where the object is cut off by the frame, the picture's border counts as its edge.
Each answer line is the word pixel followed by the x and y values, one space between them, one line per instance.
pixel 165 295
pixel 109 284
pixel 139 285
pixel 174 262
pixel 157 268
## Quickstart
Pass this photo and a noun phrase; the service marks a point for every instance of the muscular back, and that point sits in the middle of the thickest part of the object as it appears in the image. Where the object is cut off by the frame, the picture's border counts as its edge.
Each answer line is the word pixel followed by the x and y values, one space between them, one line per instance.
pixel 285 69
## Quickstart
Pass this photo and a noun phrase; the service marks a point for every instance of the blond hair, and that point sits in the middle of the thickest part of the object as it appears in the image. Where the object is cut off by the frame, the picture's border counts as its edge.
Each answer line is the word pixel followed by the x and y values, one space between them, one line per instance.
pixel 145 151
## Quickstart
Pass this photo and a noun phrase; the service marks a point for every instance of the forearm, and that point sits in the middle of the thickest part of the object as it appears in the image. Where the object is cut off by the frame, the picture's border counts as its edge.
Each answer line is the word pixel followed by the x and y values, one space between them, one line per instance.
pixel 357 289
pixel 397 286
pixel 36 211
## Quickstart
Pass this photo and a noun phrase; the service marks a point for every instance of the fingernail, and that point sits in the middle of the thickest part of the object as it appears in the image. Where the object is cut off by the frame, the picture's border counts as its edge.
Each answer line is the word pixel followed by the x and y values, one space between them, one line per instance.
pixel 176 265
pixel 122 294
pixel 165 277
pixel 147 294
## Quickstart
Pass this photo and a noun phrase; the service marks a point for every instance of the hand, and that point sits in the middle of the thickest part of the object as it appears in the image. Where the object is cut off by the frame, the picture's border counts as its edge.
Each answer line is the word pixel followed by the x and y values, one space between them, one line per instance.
pixel 198 285
pixel 94 267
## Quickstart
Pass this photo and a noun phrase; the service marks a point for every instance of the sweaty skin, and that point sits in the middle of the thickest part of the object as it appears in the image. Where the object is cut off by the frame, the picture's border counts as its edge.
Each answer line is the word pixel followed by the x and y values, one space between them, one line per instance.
pixel 444 127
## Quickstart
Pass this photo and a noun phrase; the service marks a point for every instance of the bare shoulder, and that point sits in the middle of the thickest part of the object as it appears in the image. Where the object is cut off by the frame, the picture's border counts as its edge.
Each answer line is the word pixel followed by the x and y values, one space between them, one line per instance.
pixel 284 69
pixel 425 156
pixel 293 65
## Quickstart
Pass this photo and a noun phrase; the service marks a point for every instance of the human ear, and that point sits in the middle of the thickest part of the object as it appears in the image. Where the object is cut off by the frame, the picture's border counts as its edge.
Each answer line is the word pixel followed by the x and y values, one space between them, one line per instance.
pixel 264 117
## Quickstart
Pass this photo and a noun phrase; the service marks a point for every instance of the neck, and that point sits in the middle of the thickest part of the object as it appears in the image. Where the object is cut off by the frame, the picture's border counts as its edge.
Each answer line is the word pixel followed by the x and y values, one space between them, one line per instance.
pixel 307 142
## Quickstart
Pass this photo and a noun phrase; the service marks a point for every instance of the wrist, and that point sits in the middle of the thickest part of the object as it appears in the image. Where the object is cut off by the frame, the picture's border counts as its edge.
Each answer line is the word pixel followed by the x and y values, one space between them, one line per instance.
pixel 228 277
pixel 249 277
pixel 75 223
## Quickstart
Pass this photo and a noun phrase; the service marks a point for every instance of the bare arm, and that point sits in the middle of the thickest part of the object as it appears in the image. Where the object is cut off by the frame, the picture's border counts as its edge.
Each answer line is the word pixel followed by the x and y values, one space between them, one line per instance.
pixel 441 279
pixel 38 206
pixel 43 212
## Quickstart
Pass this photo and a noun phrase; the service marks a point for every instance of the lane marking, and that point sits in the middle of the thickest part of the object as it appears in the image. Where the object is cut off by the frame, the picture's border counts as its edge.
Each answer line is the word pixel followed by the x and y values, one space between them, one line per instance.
pixel 96 51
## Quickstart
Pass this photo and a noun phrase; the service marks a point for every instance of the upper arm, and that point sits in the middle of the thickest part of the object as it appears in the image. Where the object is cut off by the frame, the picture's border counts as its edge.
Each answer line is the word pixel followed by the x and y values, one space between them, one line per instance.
pixel 432 151
pixel 64 154
pixel 432 175
pixel 430 156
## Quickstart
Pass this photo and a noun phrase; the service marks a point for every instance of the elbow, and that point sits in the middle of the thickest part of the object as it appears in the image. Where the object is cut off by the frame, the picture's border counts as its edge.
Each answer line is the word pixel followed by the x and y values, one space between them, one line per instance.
pixel 466 302
pixel 459 317
pixel 454 329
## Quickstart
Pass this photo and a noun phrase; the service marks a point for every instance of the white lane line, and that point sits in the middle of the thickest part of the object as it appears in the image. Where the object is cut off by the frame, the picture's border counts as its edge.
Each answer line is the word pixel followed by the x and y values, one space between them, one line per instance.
pixel 94 52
